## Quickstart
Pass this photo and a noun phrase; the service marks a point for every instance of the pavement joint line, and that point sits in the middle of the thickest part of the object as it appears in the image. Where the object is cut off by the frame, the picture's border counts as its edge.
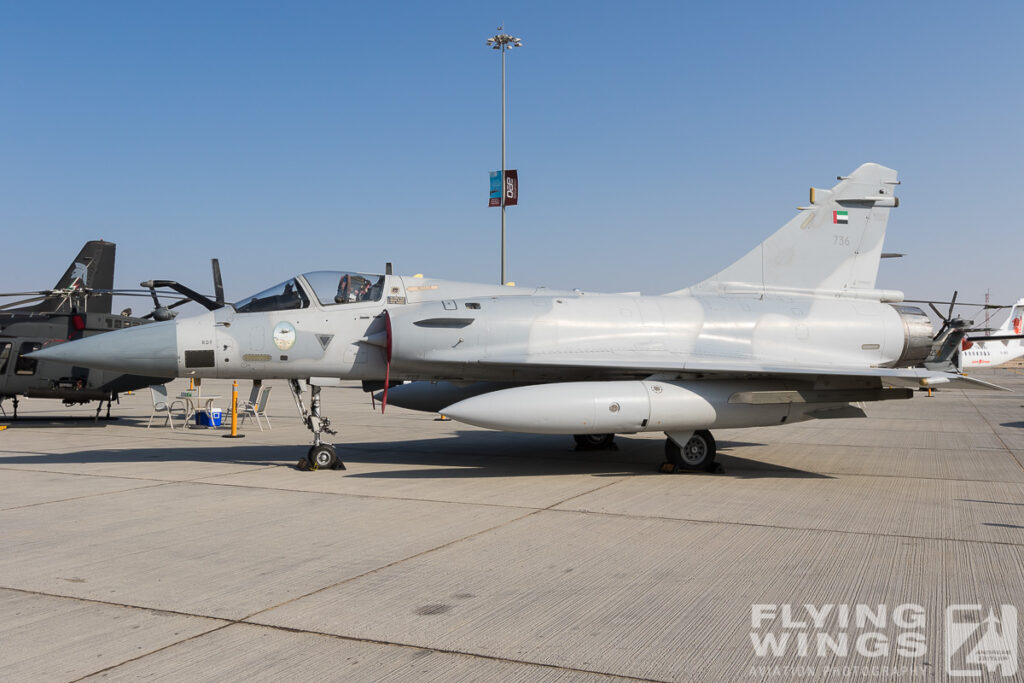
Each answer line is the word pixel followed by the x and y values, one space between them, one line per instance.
pixel 782 527
pixel 200 480
pixel 360 495
pixel 835 475
pixel 779 442
pixel 203 481
pixel 248 620
pixel 88 495
pixel 776 474
pixel 461 653
pixel 228 622
pixel 391 564
pixel 112 603
pixel 151 652
pixel 414 556
pixel 1009 451
pixel 27 467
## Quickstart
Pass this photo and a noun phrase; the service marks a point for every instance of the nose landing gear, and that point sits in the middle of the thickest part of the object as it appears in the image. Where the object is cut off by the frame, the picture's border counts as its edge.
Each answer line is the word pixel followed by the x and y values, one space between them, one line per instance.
pixel 320 455
pixel 323 457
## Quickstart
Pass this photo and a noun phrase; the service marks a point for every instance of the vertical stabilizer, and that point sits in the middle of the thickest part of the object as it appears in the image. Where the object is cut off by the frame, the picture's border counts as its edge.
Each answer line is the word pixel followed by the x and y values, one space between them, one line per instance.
pixel 1014 323
pixel 832 245
pixel 93 268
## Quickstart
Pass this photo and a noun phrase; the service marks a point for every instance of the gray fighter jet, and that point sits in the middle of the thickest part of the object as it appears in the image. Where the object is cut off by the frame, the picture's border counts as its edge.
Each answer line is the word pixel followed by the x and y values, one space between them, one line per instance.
pixel 794 330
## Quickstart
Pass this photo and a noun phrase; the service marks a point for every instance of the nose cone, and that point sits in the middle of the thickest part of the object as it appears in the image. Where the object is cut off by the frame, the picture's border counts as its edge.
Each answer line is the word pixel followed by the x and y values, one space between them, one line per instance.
pixel 150 350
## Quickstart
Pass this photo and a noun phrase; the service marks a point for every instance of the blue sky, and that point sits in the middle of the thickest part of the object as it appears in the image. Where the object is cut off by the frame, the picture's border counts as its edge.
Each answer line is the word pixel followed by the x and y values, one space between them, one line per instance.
pixel 656 142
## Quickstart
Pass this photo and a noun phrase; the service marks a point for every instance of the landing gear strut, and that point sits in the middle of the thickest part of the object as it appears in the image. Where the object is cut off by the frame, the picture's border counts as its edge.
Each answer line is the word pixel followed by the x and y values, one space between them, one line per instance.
pixel 99 406
pixel 696 455
pixel 320 455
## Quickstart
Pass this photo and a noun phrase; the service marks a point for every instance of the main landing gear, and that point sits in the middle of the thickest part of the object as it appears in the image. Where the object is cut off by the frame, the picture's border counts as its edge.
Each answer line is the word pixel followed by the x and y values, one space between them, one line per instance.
pixel 99 406
pixel 321 456
pixel 14 403
pixel 595 442
pixel 697 454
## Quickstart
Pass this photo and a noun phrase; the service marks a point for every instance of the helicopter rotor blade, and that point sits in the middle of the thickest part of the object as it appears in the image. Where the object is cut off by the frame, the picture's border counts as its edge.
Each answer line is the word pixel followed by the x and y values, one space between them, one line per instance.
pixel 180 302
pixel 15 304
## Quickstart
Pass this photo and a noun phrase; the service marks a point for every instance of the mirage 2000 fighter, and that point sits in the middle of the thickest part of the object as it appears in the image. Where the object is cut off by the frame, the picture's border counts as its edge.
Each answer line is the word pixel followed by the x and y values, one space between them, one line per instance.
pixel 794 330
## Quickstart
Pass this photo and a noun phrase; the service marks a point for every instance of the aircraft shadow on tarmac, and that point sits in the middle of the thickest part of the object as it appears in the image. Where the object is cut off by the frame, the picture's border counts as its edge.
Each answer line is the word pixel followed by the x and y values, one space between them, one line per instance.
pixel 467 454
pixel 1018 425
pixel 488 454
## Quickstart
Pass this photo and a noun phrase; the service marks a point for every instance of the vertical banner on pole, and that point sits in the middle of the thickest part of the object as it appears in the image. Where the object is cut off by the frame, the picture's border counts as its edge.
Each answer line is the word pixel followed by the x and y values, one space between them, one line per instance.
pixel 511 188
pixel 495 196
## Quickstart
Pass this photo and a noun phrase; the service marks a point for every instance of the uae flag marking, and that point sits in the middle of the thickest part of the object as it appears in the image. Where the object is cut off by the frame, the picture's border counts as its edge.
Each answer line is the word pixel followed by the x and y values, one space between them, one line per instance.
pixel 841 217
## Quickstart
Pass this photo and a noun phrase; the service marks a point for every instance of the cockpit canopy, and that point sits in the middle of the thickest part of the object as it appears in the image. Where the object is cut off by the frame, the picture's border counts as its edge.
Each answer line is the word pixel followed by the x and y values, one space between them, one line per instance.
pixel 339 287
pixel 281 297
pixel 331 287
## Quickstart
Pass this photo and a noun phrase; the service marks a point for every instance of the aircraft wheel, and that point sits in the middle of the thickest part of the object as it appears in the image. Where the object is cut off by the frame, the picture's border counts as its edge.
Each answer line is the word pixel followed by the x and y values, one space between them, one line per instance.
pixel 593 441
pixel 322 457
pixel 697 455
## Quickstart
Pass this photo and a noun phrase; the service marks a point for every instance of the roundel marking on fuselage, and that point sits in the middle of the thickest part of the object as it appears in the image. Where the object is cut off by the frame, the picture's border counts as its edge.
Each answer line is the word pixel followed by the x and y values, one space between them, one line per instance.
pixel 284 335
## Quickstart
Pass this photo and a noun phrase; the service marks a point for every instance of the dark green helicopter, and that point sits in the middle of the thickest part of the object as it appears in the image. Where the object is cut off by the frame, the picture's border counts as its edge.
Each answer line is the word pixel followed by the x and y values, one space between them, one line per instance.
pixel 78 306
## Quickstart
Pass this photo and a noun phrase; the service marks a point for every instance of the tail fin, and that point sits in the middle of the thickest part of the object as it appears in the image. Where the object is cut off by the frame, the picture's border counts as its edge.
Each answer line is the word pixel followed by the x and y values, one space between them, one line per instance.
pixel 1014 323
pixel 93 268
pixel 832 245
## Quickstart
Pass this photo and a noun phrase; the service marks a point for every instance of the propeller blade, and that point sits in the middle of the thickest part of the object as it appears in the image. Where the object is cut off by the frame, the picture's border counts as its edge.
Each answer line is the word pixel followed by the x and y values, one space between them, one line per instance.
pixel 952 304
pixel 218 283
pixel 387 368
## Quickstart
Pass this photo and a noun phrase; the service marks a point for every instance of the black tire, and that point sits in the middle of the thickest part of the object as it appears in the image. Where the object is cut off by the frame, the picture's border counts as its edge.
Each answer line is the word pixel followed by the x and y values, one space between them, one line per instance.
pixel 593 441
pixel 322 457
pixel 697 455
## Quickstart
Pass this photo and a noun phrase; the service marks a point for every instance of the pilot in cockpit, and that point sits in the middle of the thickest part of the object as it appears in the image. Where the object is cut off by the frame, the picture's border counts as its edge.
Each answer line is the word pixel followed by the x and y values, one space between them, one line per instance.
pixel 343 290
pixel 363 293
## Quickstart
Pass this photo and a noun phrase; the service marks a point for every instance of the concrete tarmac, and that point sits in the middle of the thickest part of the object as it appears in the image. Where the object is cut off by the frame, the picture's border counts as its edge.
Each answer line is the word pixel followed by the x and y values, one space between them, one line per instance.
pixel 447 552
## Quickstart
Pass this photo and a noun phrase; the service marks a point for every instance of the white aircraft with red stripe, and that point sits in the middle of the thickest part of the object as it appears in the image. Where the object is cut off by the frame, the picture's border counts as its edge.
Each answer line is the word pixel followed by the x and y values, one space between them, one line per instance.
pixel 1003 346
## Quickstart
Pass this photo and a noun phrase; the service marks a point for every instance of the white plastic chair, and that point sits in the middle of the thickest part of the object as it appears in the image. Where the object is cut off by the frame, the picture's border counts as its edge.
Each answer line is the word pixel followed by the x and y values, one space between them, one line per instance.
pixel 160 405
pixel 256 408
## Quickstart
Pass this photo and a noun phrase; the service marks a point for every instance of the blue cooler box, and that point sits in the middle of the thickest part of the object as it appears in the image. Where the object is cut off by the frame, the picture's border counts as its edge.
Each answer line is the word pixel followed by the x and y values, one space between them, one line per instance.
pixel 208 419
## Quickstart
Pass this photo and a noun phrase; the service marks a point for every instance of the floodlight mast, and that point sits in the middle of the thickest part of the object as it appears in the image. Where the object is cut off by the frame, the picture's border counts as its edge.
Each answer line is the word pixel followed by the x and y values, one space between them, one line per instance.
pixel 503 42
